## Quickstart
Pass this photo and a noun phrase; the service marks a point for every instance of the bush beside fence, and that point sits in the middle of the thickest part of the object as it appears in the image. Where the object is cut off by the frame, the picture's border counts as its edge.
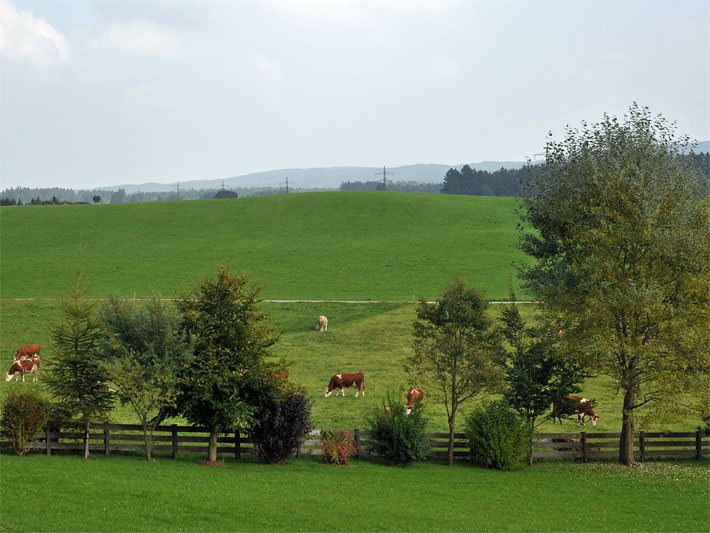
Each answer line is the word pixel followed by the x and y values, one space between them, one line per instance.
pixel 175 440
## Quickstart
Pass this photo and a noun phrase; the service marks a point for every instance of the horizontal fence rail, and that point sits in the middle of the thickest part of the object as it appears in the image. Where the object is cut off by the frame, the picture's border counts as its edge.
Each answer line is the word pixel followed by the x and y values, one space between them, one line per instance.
pixel 175 440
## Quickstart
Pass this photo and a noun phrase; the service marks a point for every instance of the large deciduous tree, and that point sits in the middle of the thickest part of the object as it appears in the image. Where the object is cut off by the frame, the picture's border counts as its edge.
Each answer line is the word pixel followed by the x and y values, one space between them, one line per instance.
pixel 146 352
pixel 228 381
pixel 620 237
pixel 456 351
pixel 76 376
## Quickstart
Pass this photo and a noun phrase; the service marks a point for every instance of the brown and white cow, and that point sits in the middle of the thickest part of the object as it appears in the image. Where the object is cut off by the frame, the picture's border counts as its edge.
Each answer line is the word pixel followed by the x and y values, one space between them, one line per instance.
pixel 414 396
pixel 28 350
pixel 578 404
pixel 341 381
pixel 322 323
pixel 22 366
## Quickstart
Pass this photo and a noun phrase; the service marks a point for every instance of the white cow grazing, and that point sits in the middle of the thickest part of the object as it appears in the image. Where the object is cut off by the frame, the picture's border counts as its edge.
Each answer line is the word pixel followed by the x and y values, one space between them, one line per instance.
pixel 322 323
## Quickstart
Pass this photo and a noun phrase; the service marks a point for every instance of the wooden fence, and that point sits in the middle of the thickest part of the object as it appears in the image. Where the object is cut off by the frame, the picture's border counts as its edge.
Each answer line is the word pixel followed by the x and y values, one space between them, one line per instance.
pixel 176 440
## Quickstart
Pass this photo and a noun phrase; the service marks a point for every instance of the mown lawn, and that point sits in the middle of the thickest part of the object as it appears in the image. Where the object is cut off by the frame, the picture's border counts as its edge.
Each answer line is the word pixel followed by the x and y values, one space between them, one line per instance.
pixel 122 493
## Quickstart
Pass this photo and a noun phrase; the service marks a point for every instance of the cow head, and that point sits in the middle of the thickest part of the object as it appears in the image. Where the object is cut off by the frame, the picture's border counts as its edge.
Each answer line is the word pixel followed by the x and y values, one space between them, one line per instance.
pixel 328 391
pixel 9 376
pixel 593 418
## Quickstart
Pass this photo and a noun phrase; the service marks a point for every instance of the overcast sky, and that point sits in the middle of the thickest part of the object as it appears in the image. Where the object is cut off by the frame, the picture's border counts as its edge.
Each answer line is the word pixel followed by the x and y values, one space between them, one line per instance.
pixel 128 91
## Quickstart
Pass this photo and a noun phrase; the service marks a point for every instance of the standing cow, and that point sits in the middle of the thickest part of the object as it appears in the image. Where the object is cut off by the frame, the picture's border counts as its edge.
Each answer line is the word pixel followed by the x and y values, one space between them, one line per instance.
pixel 341 381
pixel 414 396
pixel 20 367
pixel 28 350
pixel 322 323
pixel 568 405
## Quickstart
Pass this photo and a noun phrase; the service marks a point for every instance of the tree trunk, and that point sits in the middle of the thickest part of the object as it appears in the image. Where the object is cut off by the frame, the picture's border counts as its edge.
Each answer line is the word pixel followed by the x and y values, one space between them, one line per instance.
pixel 531 441
pixel 626 442
pixel 87 453
pixel 148 438
pixel 452 425
pixel 212 454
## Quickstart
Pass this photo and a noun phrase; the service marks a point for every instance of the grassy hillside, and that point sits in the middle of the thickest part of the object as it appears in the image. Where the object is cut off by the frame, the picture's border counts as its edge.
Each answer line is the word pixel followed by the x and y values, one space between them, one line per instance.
pixel 373 338
pixel 354 245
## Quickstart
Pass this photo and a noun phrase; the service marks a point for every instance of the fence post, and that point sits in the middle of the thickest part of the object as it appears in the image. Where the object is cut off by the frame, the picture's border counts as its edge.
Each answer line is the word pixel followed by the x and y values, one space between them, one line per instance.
pixel 642 445
pixel 584 446
pixel 698 444
pixel 237 445
pixel 356 433
pixel 107 442
pixel 175 441
pixel 48 437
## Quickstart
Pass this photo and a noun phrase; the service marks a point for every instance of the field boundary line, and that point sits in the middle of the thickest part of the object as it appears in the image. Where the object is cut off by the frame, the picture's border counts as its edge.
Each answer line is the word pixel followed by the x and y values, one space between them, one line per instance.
pixel 277 301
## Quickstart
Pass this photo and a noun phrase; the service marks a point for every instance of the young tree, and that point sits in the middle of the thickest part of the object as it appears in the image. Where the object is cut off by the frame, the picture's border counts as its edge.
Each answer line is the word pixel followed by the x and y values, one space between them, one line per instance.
pixel 621 242
pixel 536 372
pixel 146 351
pixel 228 380
pixel 76 376
pixel 457 354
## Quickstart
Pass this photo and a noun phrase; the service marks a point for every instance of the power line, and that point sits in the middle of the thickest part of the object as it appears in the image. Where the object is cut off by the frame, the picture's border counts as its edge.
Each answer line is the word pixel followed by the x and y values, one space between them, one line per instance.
pixel 384 174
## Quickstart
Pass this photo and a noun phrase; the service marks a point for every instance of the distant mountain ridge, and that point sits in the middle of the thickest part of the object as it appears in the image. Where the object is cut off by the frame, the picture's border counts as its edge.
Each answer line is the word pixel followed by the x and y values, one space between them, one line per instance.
pixel 330 177
pixel 319 178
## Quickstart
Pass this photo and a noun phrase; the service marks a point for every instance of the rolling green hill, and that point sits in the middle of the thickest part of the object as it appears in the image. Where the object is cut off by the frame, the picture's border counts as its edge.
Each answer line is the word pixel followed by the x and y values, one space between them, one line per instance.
pixel 334 245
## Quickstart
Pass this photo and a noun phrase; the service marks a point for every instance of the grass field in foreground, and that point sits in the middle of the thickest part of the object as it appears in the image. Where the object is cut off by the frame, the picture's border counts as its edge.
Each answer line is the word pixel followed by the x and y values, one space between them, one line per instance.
pixel 373 338
pixel 127 494
pixel 329 245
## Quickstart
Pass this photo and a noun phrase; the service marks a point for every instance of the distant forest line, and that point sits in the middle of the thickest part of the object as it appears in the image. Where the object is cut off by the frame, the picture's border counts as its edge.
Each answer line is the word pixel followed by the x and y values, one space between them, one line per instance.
pixel 503 182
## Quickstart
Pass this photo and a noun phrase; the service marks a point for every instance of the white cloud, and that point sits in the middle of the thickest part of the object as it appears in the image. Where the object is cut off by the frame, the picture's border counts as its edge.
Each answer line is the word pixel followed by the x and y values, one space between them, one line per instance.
pixel 24 37
pixel 143 37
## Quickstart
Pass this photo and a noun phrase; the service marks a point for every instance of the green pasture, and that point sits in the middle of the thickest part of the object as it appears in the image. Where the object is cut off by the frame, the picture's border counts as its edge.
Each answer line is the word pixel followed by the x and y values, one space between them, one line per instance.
pixel 127 494
pixel 329 245
pixel 373 338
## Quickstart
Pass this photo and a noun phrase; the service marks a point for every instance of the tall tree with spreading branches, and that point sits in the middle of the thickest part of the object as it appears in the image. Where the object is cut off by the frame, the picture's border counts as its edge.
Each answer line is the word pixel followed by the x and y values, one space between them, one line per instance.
pixel 620 238
pixel 457 354
pixel 229 380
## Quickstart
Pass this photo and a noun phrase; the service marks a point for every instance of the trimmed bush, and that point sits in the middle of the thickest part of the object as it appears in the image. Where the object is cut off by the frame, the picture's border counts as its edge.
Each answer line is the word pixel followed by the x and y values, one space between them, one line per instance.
pixel 338 446
pixel 397 436
pixel 24 414
pixel 498 436
pixel 281 428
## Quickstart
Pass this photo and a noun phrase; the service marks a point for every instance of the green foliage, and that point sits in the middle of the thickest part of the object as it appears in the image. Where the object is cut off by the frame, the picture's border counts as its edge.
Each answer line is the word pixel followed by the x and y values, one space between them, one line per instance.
pixel 621 243
pixel 227 382
pixel 536 372
pixel 503 182
pixel 338 446
pixel 457 353
pixel 397 436
pixel 76 375
pixel 498 436
pixel 24 414
pixel 281 427
pixel 146 353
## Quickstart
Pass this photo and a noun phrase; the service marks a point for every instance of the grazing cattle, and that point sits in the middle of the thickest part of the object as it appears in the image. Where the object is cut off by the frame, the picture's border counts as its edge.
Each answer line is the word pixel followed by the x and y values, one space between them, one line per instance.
pixel 28 350
pixel 322 323
pixel 21 367
pixel 413 396
pixel 562 407
pixel 341 381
